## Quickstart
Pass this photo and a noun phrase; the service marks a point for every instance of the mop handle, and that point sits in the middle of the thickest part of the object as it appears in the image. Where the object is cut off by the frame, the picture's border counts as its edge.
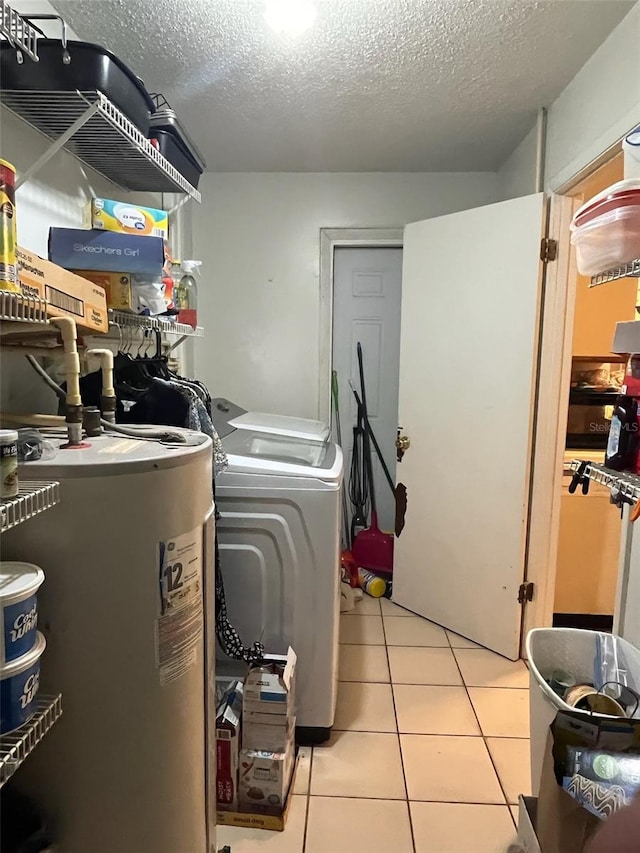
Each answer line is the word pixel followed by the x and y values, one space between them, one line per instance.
pixel 369 429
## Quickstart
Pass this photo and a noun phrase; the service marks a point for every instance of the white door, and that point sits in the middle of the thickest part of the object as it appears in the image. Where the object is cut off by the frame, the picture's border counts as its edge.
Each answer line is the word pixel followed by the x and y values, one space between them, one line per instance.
pixel 367 285
pixel 470 323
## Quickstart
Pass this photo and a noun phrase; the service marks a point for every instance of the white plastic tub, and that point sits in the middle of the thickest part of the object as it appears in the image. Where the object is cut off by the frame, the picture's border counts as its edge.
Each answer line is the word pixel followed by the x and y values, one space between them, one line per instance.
pixel 608 240
pixel 19 682
pixel 572 650
pixel 19 583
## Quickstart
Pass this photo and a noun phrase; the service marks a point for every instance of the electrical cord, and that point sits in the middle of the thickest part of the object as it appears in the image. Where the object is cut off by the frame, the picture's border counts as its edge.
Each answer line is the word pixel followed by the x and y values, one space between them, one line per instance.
pixel 132 432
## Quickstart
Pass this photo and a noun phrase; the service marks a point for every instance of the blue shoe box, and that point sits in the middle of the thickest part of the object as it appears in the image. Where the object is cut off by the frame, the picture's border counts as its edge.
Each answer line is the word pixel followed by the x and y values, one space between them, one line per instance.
pixel 107 251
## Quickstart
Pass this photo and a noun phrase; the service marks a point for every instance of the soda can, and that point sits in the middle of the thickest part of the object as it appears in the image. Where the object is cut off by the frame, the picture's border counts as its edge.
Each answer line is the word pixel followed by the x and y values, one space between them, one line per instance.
pixel 8 235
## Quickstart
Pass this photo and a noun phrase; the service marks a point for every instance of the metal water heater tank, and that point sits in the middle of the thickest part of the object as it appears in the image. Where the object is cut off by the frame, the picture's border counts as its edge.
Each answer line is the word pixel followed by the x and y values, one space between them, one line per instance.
pixel 128 562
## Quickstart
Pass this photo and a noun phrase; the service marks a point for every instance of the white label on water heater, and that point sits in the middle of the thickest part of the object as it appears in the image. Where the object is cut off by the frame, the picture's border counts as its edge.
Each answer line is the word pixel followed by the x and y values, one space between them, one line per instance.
pixel 180 619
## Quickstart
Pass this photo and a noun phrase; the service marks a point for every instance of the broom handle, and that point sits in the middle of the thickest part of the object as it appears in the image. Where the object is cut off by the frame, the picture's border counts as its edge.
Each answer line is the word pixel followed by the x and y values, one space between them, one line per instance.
pixel 373 438
pixel 367 445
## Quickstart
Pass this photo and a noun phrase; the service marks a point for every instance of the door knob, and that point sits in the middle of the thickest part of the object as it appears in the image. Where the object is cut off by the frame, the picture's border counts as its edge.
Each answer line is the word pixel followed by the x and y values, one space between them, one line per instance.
pixel 403 443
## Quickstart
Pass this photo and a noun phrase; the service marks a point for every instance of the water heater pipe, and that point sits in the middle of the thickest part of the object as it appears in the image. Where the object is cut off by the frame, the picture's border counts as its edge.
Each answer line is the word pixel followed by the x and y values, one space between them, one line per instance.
pixel 541 148
pixel 32 419
pixel 73 400
pixel 108 395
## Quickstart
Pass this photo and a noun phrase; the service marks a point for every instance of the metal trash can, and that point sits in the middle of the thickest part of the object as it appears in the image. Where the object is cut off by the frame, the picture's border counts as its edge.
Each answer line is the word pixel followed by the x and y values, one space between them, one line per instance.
pixel 591 657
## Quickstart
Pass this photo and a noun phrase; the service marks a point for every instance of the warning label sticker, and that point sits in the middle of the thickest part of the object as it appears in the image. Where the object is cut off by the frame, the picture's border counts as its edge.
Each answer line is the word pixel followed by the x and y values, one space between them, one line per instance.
pixel 179 626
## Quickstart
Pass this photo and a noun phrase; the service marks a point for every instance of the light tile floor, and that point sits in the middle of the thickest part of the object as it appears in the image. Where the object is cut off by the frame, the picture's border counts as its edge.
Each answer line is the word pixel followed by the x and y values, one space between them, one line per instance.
pixel 429 752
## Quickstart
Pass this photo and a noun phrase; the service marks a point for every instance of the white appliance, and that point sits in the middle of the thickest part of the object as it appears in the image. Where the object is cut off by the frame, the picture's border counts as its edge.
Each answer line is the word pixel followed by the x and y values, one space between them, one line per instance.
pixel 228 415
pixel 126 768
pixel 279 539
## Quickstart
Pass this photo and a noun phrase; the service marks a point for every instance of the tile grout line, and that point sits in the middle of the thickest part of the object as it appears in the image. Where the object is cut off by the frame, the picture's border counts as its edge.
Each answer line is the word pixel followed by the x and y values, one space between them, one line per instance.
pixel 395 714
pixel 484 739
pixel 308 804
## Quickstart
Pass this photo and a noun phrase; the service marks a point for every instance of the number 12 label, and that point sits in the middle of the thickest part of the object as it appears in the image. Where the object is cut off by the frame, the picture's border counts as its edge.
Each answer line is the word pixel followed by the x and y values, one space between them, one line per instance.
pixel 180 570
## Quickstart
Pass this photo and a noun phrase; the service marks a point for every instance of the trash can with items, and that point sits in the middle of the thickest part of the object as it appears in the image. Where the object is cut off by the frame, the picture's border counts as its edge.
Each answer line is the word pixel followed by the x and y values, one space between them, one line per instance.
pixel 571 669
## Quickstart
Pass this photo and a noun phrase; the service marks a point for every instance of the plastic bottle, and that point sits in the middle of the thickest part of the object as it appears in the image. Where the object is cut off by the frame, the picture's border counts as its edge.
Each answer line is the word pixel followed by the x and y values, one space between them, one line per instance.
pixel 188 294
pixel 8 463
pixel 371 584
pixel 623 435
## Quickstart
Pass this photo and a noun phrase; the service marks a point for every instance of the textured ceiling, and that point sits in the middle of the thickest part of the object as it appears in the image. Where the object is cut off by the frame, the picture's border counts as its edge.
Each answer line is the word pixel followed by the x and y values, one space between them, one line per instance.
pixel 375 85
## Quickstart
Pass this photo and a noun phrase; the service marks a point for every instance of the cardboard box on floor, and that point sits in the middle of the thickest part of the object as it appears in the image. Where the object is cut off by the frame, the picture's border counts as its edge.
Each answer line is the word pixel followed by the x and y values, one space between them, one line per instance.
pixel 66 294
pixel 269 686
pixel 271 822
pixel 264 779
pixel 228 734
pixel 563 824
pixel 527 819
pixel 261 733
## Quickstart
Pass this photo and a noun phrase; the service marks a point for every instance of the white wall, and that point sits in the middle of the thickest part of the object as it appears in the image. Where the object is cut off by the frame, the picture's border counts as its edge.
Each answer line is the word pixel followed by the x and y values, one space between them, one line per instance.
pixel 258 235
pixel 517 175
pixel 598 107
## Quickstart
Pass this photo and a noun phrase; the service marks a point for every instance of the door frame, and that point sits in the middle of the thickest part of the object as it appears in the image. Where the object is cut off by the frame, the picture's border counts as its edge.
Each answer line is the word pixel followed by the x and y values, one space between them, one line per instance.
pixel 555 362
pixel 550 416
pixel 330 239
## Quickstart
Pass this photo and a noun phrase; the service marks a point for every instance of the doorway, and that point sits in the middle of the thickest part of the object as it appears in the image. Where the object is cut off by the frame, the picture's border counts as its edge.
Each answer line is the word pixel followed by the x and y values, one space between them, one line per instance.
pixel 590 529
pixel 367 291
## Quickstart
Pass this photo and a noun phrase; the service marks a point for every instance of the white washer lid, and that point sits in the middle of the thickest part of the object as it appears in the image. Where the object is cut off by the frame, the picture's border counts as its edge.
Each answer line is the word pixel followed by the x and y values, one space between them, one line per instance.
pixel 18 580
pixel 282 425
pixel 268 453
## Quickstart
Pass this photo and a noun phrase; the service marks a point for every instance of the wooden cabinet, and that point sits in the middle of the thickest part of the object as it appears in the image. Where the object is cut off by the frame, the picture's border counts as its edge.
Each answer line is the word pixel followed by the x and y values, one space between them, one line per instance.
pixel 598 309
pixel 588 549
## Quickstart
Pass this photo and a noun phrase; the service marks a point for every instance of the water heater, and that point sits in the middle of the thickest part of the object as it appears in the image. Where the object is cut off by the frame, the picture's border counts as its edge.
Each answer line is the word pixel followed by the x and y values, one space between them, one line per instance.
pixel 128 562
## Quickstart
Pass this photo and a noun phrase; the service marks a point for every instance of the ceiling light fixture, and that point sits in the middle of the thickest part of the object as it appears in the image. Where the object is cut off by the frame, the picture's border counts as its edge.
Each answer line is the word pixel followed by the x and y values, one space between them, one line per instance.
pixel 290 17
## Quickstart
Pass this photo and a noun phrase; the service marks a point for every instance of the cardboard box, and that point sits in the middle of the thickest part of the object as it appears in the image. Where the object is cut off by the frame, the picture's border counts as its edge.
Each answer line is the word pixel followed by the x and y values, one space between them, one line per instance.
pixel 563 822
pixel 267 736
pixel 264 779
pixel 106 251
pixel 272 822
pixel 117 286
pixel 105 214
pixel 228 747
pixel 527 812
pixel 269 685
pixel 67 294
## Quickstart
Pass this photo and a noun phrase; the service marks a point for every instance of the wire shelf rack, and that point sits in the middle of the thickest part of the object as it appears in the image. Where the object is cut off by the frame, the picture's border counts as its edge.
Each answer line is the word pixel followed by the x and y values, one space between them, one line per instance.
pixel 628 270
pixel 626 484
pixel 22 309
pixel 33 498
pixel 97 133
pixel 17 745
pixel 160 324
pixel 17 31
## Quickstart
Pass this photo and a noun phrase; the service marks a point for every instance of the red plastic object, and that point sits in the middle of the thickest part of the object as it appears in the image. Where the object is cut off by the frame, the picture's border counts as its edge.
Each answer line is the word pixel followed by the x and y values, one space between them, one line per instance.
pixel 372 549
pixel 350 567
pixel 605 205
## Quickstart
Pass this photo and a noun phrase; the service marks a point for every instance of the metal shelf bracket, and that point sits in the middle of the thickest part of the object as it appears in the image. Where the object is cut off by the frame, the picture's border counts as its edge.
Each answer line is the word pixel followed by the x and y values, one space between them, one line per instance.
pixel 59 143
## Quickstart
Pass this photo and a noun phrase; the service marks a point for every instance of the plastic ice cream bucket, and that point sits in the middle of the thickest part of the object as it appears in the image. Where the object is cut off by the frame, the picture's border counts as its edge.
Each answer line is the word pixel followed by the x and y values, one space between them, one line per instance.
pixel 19 583
pixel 19 681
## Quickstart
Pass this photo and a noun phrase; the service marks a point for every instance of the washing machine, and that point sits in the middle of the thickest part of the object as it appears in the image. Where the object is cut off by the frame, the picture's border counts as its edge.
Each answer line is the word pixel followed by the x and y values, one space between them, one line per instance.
pixel 228 416
pixel 279 539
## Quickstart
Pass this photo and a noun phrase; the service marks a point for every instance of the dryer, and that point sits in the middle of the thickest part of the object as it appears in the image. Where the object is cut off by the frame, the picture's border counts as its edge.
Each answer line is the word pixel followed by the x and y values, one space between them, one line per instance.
pixel 279 540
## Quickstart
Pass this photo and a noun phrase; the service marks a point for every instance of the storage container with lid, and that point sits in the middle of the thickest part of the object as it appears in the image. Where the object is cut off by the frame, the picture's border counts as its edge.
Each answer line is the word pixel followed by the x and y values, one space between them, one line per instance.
pixel 19 683
pixel 606 229
pixel 19 584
